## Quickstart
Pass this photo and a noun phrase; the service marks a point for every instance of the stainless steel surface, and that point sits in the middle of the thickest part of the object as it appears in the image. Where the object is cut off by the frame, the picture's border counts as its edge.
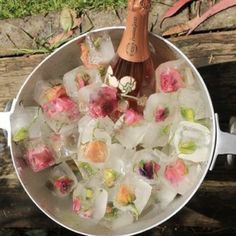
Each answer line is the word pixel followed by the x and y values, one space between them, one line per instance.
pixel 5 123
pixel 231 158
pixel 7 109
pixel 57 64
pixel 225 143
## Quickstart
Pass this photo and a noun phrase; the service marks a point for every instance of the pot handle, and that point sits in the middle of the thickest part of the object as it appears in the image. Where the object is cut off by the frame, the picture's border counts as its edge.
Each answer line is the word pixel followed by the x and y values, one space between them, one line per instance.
pixel 5 122
pixel 225 143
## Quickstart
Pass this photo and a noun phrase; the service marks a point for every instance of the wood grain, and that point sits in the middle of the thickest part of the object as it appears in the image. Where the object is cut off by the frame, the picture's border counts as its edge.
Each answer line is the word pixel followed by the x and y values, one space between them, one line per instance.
pixel 202 49
pixel 210 48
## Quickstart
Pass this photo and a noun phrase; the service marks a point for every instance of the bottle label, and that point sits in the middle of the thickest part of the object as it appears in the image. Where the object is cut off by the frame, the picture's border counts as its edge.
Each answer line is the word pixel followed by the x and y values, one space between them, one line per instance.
pixel 134 43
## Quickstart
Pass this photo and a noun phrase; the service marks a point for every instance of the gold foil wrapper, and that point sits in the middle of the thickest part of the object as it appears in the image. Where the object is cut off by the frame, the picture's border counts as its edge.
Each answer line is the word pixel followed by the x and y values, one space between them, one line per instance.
pixel 142 6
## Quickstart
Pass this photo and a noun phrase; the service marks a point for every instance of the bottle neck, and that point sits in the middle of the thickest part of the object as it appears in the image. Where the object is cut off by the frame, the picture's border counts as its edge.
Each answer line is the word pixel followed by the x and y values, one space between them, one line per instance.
pixel 134 43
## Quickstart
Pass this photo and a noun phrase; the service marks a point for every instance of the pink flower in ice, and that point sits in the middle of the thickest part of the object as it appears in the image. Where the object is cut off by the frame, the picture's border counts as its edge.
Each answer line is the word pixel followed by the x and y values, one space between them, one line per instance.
pixel 76 205
pixel 103 103
pixel 80 83
pixel 171 81
pixel 161 114
pixel 148 169
pixel 175 172
pixel 40 158
pixel 63 184
pixel 61 105
pixel 132 117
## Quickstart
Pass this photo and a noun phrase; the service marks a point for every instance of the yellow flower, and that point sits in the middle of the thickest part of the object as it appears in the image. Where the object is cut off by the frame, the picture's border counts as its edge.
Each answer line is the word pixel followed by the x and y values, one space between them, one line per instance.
pixel 125 195
pixel 109 177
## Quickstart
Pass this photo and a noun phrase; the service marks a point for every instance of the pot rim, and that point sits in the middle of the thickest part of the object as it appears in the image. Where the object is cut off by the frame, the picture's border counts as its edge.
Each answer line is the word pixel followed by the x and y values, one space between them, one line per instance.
pixel 213 145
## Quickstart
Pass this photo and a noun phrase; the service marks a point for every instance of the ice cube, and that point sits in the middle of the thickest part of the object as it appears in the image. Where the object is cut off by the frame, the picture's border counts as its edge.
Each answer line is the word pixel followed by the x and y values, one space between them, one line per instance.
pixel 120 159
pixel 35 130
pixel 164 194
pixel 63 180
pixel 64 143
pixel 192 100
pixel 95 152
pixel 170 76
pixel 79 78
pixel 118 220
pixel 90 201
pixel 147 165
pixel 181 175
pixel 45 92
pixel 38 155
pixel 161 108
pixel 131 136
pixel 191 141
pixel 132 195
pixel 40 89
pixel 24 122
pixel 95 140
pixel 159 136
pixel 60 112
pixel 87 170
pixel 100 49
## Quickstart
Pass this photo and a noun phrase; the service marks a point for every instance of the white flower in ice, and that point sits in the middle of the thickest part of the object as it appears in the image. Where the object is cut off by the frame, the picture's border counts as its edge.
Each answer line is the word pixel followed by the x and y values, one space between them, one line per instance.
pixel 110 79
pixel 127 84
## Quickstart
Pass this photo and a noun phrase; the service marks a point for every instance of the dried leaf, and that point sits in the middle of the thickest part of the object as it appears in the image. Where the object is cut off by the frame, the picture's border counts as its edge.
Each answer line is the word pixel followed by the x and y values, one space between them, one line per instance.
pixel 180 28
pixel 218 7
pixel 172 10
pixel 77 23
pixel 194 23
pixel 66 19
pixel 69 19
pixel 60 37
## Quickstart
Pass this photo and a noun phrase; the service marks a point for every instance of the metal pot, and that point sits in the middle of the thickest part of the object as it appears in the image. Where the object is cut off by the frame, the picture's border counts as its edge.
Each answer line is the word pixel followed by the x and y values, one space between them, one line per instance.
pixel 56 65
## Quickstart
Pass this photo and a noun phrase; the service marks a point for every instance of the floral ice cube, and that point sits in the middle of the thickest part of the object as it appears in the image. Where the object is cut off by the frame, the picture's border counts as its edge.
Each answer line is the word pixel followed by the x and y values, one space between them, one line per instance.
pixel 110 177
pixel 146 164
pixel 45 92
pixel 63 179
pixel 132 195
pixel 170 76
pixel 87 170
pixel 131 117
pixel 159 137
pixel 120 159
pixel 160 108
pixel 97 49
pixel 90 201
pixel 64 143
pixel 132 135
pixel 95 140
pixel 181 175
pixel 104 102
pixel 23 123
pixel 94 152
pixel 60 111
pixel 79 78
pixel 38 155
pixel 192 104
pixel 164 194
pixel 115 218
pixel 191 141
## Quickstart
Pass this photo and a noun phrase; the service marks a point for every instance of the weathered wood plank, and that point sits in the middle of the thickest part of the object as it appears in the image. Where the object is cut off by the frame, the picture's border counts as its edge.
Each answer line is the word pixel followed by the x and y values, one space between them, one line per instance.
pixel 202 49
pixel 13 72
pixel 210 48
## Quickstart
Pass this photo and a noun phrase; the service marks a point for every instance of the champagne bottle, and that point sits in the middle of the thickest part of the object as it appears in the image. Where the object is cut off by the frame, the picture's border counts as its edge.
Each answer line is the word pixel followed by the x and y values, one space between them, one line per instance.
pixel 132 65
